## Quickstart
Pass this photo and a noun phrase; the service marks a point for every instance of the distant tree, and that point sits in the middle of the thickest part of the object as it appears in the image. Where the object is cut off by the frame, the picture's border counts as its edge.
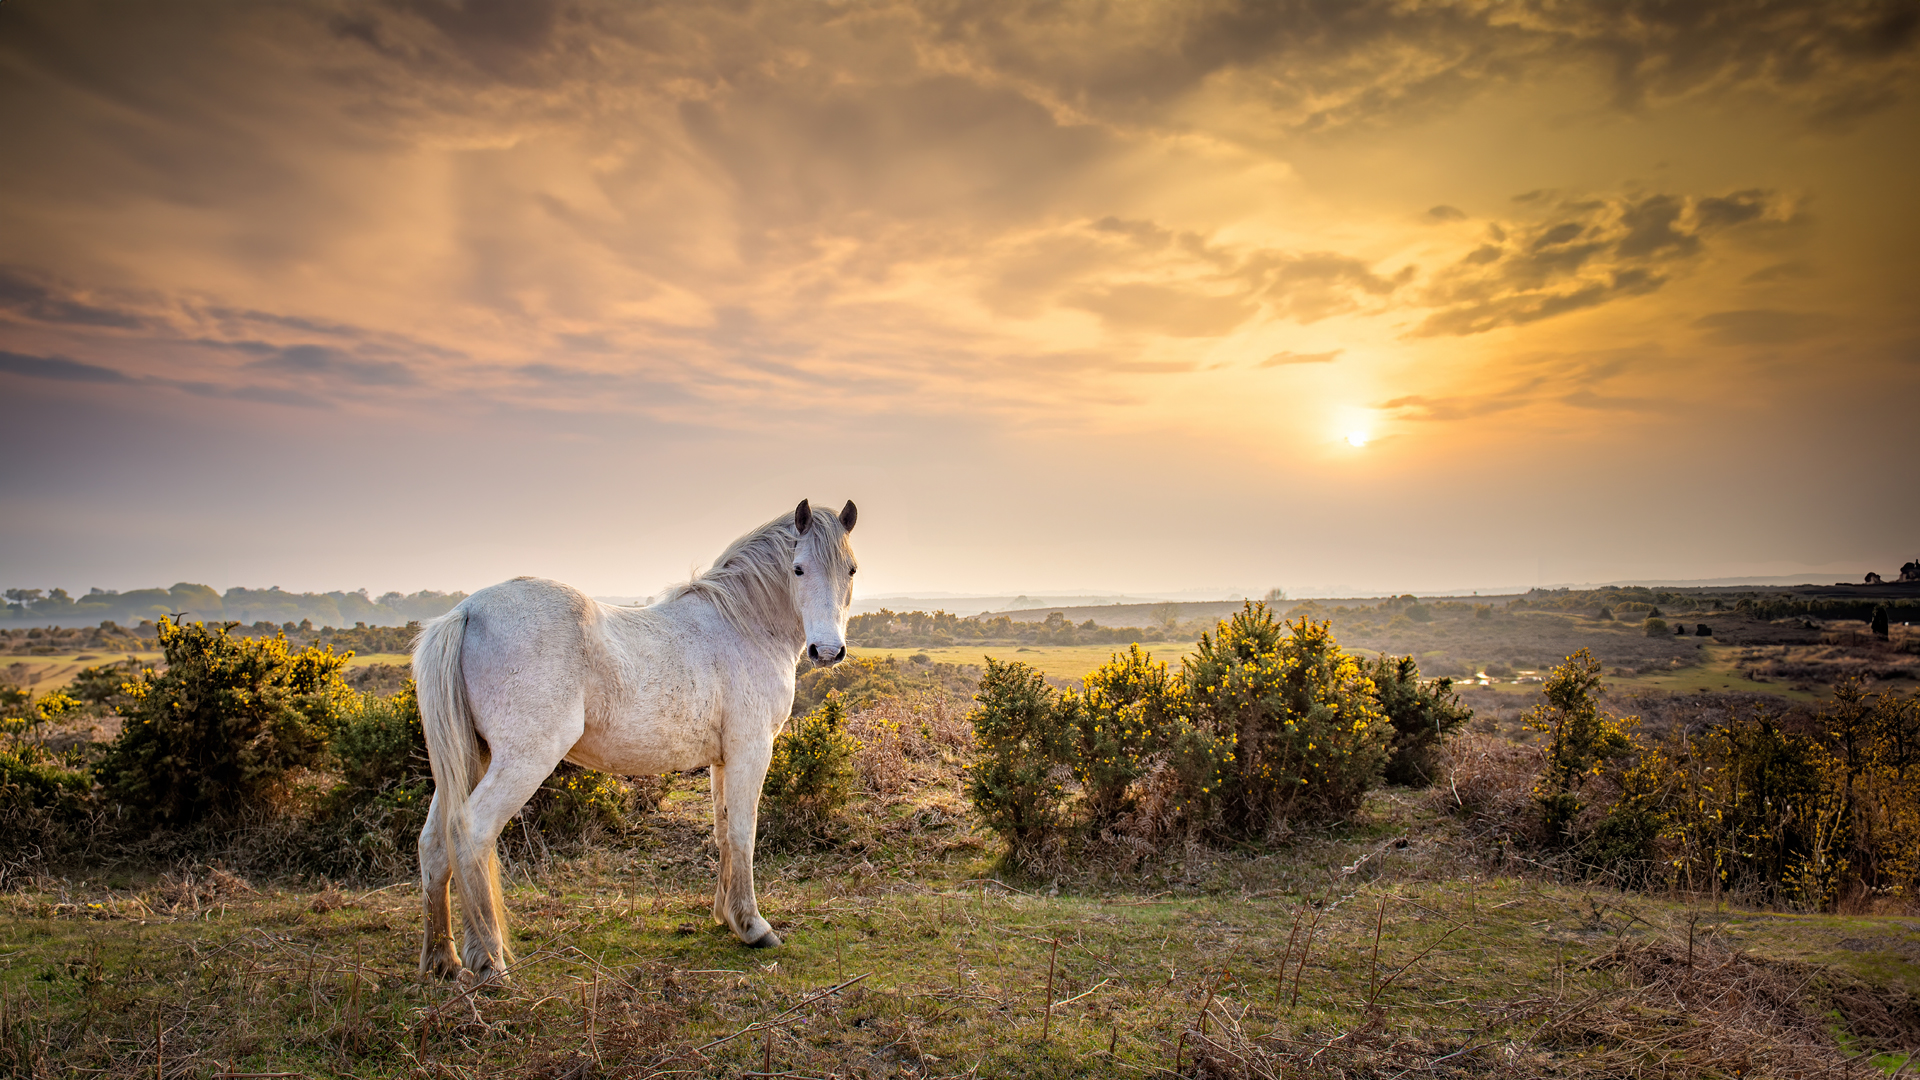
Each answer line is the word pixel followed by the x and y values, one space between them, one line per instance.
pixel 1165 615
pixel 1873 578
pixel 1276 596
pixel 1656 627
pixel 1908 571
pixel 1606 614
pixel 23 597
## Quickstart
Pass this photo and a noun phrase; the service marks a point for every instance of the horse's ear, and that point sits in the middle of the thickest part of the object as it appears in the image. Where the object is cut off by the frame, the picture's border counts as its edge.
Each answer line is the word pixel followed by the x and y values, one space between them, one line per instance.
pixel 848 514
pixel 802 517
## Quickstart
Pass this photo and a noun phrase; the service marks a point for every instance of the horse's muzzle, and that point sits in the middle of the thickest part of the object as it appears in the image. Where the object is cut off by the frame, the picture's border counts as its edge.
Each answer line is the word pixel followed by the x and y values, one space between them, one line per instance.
pixel 828 656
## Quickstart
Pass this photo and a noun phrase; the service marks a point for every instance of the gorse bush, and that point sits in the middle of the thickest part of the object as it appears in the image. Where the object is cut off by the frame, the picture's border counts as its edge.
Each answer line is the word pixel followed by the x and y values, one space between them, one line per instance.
pixel 1812 816
pixel 221 727
pixel 1267 722
pixel 577 804
pixel 43 793
pixel 1024 743
pixel 810 776
pixel 1423 714
pixel 1307 735
pixel 1580 739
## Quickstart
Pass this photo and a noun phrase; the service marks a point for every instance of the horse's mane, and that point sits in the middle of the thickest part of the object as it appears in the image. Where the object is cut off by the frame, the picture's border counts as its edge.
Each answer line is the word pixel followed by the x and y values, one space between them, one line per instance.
pixel 748 582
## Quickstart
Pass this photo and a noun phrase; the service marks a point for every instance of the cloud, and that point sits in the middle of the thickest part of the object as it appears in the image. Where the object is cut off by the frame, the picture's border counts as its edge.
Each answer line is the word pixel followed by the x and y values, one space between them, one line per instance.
pixel 1280 359
pixel 33 300
pixel 328 362
pixel 1791 270
pixel 1446 213
pixel 1762 326
pixel 1577 380
pixel 59 368
pixel 1165 310
pixel 1582 253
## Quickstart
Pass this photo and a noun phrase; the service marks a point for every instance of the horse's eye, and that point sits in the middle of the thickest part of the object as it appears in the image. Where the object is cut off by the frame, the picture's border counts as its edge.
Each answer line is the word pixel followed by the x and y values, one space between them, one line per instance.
pixel 797 571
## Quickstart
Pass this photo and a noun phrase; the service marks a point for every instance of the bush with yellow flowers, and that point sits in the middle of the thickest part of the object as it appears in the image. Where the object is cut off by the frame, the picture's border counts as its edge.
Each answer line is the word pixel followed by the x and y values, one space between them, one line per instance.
pixel 1308 736
pixel 1265 723
pixel 810 776
pixel 220 728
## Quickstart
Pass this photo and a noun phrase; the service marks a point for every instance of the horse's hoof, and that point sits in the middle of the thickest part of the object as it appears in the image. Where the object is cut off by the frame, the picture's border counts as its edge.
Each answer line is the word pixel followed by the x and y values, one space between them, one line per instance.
pixel 768 940
pixel 490 977
pixel 441 964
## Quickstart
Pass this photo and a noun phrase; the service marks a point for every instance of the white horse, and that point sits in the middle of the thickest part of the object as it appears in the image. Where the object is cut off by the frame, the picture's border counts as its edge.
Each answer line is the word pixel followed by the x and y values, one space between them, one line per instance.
pixel 528 673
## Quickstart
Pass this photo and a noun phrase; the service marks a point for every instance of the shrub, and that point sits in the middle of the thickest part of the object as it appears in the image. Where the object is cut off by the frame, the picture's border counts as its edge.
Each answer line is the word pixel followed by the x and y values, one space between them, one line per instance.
pixel 1137 745
pixel 220 728
pixel 378 743
pixel 369 824
pixel 1302 728
pixel 100 685
pixel 1422 714
pixel 43 793
pixel 810 776
pixel 1024 739
pixel 576 804
pixel 1579 739
pixel 1656 627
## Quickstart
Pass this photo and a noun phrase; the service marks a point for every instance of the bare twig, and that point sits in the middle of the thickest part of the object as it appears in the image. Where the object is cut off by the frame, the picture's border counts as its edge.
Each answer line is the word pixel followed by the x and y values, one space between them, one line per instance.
pixel 1046 1025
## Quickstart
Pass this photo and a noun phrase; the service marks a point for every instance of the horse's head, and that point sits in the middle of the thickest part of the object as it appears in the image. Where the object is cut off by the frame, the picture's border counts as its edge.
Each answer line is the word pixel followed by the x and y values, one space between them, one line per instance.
pixel 823 568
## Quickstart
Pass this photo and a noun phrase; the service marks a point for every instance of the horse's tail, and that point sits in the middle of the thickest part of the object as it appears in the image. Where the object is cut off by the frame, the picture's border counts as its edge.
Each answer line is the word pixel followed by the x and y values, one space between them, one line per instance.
pixel 453 750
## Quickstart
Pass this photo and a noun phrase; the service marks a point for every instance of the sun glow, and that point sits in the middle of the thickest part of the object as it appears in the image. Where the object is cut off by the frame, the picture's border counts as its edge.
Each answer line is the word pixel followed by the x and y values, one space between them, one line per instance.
pixel 1356 438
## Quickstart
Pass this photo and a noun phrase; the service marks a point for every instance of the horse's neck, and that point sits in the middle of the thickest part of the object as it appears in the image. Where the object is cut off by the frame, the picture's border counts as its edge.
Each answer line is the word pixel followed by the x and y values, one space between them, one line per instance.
pixel 785 637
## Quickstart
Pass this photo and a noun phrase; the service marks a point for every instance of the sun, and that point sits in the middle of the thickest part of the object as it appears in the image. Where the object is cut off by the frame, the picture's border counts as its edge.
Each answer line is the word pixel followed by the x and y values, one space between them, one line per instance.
pixel 1356 438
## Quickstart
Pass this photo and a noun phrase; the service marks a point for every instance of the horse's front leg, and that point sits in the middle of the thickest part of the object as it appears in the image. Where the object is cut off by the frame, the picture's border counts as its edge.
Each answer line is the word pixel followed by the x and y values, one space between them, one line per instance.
pixel 740 909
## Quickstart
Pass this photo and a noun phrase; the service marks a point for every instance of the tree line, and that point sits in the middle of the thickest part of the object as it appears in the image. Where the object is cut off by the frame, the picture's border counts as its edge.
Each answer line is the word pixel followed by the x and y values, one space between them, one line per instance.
pixel 56 607
pixel 922 629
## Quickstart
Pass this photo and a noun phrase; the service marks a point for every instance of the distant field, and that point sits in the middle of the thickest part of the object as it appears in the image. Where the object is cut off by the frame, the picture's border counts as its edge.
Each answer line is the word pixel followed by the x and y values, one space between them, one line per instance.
pixel 41 674
pixel 1072 662
pixel 1060 661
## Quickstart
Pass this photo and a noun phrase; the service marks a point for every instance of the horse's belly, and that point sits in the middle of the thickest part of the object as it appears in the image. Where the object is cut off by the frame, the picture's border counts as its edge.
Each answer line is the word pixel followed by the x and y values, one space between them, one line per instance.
pixel 639 747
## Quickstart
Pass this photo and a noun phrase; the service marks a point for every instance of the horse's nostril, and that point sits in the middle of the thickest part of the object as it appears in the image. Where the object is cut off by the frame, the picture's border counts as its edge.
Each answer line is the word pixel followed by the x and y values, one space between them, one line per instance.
pixel 813 652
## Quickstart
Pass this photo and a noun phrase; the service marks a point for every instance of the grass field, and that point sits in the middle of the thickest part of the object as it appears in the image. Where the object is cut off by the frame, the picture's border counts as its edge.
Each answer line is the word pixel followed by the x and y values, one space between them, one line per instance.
pixel 1351 953
pixel 1061 661
pixel 42 674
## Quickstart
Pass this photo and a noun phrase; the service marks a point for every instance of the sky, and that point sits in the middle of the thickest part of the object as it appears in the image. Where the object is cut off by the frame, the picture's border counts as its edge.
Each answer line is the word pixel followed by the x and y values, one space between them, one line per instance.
pixel 1067 296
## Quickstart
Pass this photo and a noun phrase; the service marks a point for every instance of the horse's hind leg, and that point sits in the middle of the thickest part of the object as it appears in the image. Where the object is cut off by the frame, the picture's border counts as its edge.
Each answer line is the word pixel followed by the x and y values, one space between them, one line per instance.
pixel 717 774
pixel 436 869
pixel 510 781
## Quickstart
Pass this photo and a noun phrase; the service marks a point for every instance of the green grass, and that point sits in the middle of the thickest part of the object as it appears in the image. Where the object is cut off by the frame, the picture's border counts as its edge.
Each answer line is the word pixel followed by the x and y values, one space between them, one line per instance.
pixel 620 964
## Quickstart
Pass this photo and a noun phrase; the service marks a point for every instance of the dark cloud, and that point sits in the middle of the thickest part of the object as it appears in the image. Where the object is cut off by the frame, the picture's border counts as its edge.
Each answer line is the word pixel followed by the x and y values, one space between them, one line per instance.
pixel 1281 359
pixel 36 301
pixel 58 367
pixel 329 362
pixel 1584 253
pixel 1765 327
pixel 61 369
pixel 1792 269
